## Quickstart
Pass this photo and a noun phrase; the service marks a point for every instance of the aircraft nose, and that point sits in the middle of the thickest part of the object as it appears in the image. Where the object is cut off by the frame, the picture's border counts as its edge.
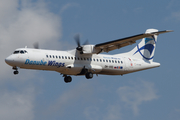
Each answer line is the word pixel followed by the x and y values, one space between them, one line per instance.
pixel 9 60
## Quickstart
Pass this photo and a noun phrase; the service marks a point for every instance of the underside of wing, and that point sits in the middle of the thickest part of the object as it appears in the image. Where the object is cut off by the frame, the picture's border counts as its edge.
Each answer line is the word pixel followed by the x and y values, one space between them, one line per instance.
pixel 119 43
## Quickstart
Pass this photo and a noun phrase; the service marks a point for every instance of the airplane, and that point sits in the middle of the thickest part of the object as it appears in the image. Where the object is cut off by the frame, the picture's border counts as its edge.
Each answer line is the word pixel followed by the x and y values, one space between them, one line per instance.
pixel 87 60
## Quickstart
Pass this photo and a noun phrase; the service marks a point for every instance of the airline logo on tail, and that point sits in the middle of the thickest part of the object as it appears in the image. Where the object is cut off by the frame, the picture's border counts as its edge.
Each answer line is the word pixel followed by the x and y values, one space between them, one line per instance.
pixel 149 46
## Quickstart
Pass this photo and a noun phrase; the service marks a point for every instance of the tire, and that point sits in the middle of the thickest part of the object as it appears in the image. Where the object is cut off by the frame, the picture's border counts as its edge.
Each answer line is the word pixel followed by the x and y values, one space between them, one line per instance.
pixel 67 79
pixel 16 72
pixel 89 75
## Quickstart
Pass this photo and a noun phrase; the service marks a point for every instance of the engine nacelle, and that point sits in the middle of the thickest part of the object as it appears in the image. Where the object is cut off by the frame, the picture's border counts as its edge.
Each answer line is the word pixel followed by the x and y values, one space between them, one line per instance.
pixel 89 49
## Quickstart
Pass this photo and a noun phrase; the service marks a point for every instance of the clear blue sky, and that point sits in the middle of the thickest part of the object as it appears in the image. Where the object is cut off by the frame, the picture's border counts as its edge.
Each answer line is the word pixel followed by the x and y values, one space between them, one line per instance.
pixel 42 95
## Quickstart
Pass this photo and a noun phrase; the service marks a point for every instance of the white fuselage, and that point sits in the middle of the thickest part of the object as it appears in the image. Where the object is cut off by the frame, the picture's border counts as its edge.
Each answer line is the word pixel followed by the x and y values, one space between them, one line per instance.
pixel 72 63
pixel 86 60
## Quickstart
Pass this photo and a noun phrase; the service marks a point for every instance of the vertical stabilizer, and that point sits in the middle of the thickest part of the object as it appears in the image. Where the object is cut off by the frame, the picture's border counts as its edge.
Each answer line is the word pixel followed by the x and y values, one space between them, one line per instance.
pixel 146 48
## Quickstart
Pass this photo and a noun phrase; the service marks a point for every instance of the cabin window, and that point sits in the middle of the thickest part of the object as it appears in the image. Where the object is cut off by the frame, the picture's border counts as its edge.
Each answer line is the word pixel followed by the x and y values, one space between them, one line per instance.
pixel 118 61
pixel 106 60
pixel 47 56
pixel 53 56
pixel 97 60
pixel 100 60
pixel 87 59
pixel 68 57
pixel 75 58
pixel 115 61
pixel 78 58
pixel 59 57
pixel 62 57
pixel 84 58
pixel 25 51
pixel 94 59
pixel 90 59
pixel 65 57
pixel 122 62
pixel 81 58
pixel 56 56
pixel 50 56
pixel 72 58
pixel 110 61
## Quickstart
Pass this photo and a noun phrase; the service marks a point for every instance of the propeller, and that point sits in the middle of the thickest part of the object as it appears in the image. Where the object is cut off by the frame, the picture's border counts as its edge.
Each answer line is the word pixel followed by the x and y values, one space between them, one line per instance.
pixel 86 42
pixel 36 45
pixel 79 47
pixel 77 39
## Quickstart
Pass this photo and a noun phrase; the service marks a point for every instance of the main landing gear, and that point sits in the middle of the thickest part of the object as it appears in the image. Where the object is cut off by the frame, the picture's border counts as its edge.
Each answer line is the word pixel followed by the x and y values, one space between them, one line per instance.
pixel 16 70
pixel 67 79
pixel 89 75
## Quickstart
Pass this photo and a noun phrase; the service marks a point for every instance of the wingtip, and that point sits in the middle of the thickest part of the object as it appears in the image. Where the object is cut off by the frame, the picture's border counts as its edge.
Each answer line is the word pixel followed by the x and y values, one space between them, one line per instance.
pixel 161 32
pixel 169 30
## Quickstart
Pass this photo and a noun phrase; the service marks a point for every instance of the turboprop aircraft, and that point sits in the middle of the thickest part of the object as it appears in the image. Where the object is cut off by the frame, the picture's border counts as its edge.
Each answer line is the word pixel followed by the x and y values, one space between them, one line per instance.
pixel 87 60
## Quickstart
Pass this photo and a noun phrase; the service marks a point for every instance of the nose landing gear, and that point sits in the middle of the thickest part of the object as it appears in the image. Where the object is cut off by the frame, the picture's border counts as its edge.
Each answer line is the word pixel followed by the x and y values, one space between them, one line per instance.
pixel 16 70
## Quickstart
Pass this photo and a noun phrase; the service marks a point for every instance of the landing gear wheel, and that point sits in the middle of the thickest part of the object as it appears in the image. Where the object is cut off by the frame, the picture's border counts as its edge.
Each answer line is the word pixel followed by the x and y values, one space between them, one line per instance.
pixel 67 79
pixel 89 75
pixel 16 72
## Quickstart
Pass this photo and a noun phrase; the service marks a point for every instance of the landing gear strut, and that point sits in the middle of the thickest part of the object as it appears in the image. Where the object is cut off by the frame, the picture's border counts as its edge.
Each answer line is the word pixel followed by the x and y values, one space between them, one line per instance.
pixel 85 72
pixel 16 70
pixel 67 79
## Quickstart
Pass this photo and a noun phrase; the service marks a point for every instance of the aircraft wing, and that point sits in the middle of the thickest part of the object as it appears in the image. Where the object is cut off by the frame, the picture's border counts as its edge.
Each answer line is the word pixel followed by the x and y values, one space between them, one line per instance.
pixel 119 43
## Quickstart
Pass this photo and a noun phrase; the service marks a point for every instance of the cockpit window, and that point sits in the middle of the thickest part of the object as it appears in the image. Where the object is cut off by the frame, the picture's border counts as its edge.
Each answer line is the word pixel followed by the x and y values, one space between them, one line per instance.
pixel 16 52
pixel 20 51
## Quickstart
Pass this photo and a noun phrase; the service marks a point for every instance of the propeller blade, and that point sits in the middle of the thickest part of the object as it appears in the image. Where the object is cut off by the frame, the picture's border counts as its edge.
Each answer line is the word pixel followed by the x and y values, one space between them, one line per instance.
pixel 77 39
pixel 86 42
pixel 36 45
